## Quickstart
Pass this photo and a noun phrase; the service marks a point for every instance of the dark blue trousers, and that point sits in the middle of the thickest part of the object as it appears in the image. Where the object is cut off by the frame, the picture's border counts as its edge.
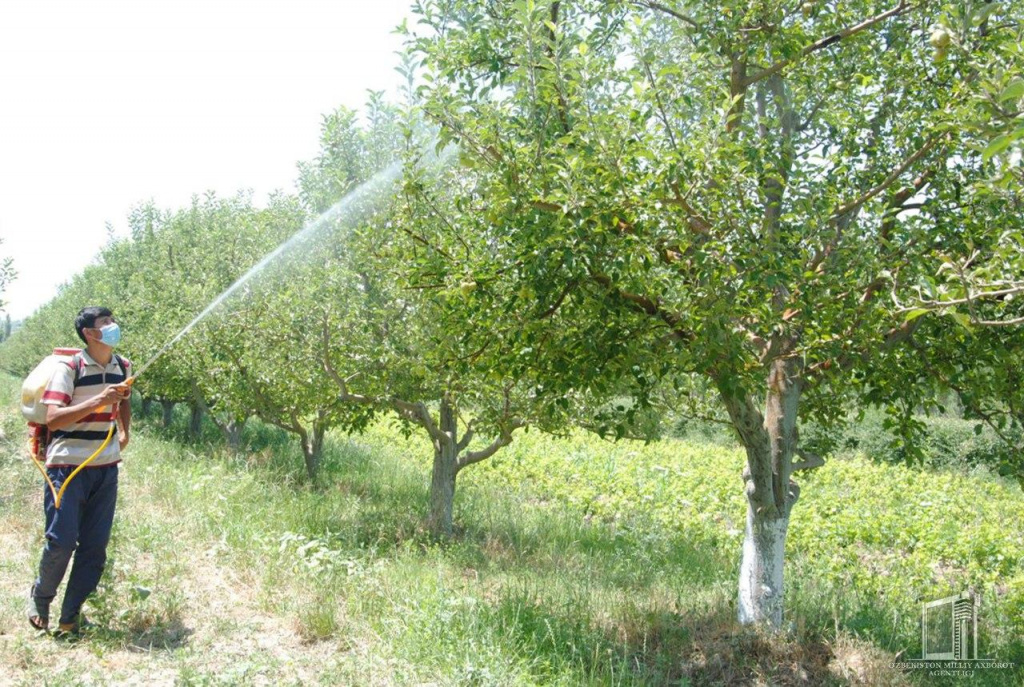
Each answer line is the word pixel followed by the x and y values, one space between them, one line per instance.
pixel 81 527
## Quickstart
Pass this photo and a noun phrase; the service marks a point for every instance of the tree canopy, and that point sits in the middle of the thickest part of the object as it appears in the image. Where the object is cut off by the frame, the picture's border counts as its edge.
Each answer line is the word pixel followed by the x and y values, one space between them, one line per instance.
pixel 776 197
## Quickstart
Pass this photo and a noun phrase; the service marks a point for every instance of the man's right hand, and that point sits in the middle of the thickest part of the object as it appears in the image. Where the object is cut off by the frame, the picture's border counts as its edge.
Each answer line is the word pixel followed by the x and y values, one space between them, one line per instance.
pixel 112 395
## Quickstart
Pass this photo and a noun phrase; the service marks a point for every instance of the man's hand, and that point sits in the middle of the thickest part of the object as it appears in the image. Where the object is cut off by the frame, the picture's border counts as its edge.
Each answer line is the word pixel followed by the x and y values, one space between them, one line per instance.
pixel 112 395
pixel 122 438
pixel 58 417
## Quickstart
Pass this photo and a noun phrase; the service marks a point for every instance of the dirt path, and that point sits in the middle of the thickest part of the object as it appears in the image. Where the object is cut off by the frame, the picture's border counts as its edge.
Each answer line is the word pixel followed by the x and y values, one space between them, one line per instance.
pixel 214 633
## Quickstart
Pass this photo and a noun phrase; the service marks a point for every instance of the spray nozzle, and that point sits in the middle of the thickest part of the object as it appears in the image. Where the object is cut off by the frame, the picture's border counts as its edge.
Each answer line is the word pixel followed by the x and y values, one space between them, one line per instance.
pixel 126 384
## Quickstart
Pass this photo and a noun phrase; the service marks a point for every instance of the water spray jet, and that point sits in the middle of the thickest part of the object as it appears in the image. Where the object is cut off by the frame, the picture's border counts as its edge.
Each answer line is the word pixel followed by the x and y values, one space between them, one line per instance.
pixel 378 182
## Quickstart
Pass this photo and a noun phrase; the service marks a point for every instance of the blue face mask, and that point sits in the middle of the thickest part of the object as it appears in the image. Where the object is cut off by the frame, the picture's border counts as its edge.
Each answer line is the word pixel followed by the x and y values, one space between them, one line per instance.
pixel 111 334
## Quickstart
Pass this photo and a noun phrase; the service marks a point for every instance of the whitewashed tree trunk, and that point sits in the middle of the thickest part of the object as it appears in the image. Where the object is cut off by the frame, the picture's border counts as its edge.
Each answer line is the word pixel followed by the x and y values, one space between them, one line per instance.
pixel 444 472
pixel 760 589
pixel 770 440
pixel 233 433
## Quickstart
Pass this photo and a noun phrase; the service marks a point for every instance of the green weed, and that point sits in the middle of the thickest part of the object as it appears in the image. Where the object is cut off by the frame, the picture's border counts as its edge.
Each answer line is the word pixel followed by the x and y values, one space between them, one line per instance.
pixel 576 562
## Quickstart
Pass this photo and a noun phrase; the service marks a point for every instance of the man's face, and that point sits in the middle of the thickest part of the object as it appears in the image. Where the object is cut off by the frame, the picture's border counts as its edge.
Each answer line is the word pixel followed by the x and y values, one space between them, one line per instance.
pixel 93 333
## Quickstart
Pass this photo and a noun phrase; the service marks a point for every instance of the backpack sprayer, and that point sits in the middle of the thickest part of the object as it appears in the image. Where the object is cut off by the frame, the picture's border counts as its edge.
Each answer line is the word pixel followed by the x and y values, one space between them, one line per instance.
pixel 35 411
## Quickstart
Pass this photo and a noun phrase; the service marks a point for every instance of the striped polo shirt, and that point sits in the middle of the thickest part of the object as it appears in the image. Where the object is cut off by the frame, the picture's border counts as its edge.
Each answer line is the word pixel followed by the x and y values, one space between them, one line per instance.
pixel 73 445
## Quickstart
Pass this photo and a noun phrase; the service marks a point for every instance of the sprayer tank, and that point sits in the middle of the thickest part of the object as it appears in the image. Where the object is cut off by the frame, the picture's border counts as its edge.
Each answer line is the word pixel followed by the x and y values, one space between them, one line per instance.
pixel 32 389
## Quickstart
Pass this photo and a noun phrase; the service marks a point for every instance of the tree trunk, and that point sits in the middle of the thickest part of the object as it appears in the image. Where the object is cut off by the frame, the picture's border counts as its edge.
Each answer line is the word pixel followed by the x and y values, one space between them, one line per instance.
pixel 760 589
pixel 197 406
pixel 168 410
pixel 770 441
pixel 442 479
pixel 233 433
pixel 195 423
pixel 312 449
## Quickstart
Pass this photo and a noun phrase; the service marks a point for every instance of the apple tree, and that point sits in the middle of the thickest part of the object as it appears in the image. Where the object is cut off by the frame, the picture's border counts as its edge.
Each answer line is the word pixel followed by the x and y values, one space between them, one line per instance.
pixel 760 194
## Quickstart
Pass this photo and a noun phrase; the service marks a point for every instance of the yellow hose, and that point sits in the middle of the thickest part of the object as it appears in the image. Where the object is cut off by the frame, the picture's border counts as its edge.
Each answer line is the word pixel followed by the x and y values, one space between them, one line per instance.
pixel 58 495
pixel 42 471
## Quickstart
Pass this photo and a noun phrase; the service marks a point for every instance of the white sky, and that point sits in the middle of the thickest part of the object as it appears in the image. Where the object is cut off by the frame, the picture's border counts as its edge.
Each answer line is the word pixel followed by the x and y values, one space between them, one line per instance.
pixel 107 103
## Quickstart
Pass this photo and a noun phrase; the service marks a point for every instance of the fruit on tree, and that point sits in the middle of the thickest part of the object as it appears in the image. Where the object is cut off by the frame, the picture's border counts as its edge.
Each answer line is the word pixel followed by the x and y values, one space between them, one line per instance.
pixel 939 37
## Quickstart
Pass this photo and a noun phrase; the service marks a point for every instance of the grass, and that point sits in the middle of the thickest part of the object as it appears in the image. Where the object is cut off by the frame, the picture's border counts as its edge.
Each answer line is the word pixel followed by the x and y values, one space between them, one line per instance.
pixel 576 562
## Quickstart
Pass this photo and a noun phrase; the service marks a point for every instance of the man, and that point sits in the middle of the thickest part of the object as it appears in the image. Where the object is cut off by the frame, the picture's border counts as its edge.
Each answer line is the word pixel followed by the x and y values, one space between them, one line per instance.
pixel 83 397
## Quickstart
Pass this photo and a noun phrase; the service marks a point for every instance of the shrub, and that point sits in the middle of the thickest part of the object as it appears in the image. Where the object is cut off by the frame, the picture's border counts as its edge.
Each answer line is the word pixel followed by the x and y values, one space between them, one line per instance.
pixel 948 443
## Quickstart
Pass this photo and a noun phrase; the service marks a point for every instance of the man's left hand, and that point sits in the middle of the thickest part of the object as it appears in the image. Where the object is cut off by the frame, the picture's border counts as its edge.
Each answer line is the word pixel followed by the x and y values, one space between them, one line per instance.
pixel 123 439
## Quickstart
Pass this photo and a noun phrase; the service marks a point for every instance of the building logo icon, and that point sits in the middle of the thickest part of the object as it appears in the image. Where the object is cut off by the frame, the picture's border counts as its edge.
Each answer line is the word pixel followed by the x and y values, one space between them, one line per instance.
pixel 949 641
pixel 949 628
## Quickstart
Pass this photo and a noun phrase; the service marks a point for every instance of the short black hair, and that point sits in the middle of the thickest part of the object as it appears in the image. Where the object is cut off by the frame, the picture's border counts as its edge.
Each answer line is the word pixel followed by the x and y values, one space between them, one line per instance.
pixel 87 317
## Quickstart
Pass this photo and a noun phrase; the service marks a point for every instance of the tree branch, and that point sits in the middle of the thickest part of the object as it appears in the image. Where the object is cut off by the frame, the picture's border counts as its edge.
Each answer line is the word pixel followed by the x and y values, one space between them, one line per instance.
pixel 300 430
pixel 646 305
pixel 414 412
pixel 467 437
pixel 342 383
pixel 808 461
pixel 558 301
pixel 267 410
pixel 890 179
pixel 433 207
pixel 895 336
pixel 416 237
pixel 998 323
pixel 759 342
pixel 697 222
pixel 503 440
pixel 939 305
pixel 737 91
pixel 843 216
pixel 827 41
pixel 418 413
pixel 901 333
pixel 658 7
pixel 661 106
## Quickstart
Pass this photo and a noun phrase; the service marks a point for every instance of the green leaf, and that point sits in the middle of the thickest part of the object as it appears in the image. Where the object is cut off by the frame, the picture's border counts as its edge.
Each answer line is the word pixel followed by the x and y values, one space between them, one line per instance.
pixel 961 319
pixel 1013 91
pixel 983 12
pixel 996 146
